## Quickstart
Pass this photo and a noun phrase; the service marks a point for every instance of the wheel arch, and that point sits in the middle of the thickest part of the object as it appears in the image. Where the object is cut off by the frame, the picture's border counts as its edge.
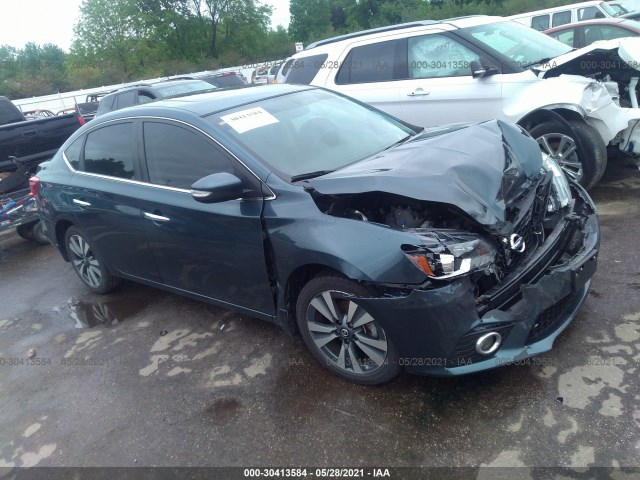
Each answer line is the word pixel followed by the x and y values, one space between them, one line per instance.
pixel 60 231
pixel 293 285
pixel 560 113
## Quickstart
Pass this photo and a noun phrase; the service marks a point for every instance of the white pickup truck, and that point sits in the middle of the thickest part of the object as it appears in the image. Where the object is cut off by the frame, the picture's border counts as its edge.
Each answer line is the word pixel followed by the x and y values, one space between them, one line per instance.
pixel 477 68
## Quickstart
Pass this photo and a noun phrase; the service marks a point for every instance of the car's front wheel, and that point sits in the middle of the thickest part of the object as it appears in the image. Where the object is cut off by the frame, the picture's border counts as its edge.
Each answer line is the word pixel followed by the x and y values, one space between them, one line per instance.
pixel 586 166
pixel 342 335
pixel 93 273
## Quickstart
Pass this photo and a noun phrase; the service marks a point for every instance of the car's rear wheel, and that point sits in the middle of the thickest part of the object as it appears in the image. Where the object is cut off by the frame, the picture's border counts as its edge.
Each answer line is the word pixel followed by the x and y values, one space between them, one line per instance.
pixel 87 264
pixel 26 231
pixel 556 140
pixel 342 335
pixel 39 233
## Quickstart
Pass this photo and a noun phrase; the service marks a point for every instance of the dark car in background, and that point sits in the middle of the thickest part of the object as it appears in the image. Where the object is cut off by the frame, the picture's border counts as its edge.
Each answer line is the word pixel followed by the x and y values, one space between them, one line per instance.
pixel 223 79
pixel 149 92
pixel 581 34
pixel 444 251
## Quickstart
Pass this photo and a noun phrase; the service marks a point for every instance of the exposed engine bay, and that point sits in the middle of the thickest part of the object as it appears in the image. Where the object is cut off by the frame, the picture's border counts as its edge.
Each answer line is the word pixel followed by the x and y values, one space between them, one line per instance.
pixel 620 77
pixel 448 239
pixel 394 211
pixel 449 243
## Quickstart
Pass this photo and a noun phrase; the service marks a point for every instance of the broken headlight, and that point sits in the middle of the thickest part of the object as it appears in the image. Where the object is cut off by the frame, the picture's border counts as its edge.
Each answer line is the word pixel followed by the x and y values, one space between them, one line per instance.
pixel 561 193
pixel 451 257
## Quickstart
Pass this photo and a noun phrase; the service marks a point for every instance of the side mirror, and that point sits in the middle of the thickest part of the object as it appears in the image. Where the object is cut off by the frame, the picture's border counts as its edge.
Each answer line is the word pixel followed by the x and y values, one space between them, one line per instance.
pixel 480 69
pixel 218 187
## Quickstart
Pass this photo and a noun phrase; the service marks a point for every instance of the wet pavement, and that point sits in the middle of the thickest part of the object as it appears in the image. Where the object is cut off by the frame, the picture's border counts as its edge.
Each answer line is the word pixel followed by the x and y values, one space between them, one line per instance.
pixel 140 377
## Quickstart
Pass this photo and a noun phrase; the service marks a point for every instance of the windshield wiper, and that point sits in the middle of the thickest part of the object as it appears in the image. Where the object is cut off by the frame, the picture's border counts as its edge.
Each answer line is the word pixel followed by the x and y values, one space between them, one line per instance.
pixel 399 142
pixel 537 62
pixel 306 176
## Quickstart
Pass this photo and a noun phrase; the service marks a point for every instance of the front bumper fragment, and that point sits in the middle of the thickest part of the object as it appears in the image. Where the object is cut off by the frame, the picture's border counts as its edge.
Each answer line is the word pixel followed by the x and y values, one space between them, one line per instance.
pixel 435 330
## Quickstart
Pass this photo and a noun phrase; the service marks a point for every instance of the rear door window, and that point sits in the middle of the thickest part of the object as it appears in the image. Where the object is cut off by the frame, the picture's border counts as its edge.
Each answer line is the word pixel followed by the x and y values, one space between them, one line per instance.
pixel 561 18
pixel 304 70
pixel 593 33
pixel 112 151
pixel 377 62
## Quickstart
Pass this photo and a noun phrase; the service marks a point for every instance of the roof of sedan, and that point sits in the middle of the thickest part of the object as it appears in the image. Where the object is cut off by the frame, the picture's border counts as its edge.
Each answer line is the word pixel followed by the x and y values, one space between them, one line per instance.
pixel 597 21
pixel 207 103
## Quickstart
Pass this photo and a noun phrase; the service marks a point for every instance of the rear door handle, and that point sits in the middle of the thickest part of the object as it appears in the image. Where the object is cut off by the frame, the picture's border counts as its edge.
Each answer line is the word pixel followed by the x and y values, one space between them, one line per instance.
pixel 155 218
pixel 82 203
pixel 29 133
pixel 419 92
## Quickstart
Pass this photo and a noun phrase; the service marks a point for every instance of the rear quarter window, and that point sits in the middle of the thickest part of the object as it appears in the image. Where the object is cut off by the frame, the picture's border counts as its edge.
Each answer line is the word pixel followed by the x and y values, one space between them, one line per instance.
pixel 126 99
pixel 304 70
pixel 541 22
pixel 227 81
pixel 74 151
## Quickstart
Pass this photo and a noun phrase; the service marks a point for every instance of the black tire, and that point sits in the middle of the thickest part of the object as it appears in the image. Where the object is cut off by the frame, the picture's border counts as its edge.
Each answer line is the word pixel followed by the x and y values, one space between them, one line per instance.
pixel 26 231
pixel 590 153
pixel 87 263
pixel 39 233
pixel 349 334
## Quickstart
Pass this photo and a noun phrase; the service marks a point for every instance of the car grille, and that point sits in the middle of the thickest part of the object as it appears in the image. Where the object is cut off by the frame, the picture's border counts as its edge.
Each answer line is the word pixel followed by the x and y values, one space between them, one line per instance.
pixel 548 320
pixel 465 352
pixel 529 228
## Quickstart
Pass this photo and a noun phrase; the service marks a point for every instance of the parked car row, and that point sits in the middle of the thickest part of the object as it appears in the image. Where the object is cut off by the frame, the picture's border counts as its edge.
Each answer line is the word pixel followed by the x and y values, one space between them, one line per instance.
pixel 574 103
pixel 148 92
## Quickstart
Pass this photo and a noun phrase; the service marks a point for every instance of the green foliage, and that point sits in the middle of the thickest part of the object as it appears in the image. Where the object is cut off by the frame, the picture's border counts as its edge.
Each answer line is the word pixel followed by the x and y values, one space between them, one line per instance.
pixel 123 40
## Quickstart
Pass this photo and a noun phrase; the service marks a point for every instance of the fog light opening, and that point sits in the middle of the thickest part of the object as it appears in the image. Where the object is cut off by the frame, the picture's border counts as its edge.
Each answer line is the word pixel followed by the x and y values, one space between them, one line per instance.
pixel 488 343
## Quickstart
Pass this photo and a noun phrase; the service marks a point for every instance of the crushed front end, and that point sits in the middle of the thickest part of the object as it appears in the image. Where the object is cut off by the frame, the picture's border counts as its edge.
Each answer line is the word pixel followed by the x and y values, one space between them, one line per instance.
pixel 503 281
pixel 517 316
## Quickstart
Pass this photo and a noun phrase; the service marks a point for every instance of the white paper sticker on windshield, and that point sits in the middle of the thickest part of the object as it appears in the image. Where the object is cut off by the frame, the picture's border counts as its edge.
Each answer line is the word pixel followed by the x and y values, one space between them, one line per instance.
pixel 246 120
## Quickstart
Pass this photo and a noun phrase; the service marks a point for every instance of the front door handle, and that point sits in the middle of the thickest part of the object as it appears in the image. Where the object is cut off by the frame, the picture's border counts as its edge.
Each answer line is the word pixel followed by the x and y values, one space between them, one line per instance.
pixel 82 203
pixel 419 92
pixel 155 218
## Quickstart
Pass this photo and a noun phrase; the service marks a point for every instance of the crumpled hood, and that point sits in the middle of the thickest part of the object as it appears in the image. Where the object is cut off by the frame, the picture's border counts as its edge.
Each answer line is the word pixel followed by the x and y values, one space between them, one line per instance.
pixel 628 49
pixel 487 170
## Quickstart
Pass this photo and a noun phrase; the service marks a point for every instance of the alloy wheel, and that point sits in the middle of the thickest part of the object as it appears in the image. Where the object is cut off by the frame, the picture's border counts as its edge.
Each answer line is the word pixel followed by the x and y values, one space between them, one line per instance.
pixel 84 261
pixel 563 150
pixel 346 334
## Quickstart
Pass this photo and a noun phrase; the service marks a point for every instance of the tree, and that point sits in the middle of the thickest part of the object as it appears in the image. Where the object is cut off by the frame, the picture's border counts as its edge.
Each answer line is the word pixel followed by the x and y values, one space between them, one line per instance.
pixel 310 20
pixel 111 32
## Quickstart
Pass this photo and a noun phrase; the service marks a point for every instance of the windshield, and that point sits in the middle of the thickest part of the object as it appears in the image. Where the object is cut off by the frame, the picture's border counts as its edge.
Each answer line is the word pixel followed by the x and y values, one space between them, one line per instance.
pixel 311 131
pixel 610 11
pixel 518 45
pixel 172 89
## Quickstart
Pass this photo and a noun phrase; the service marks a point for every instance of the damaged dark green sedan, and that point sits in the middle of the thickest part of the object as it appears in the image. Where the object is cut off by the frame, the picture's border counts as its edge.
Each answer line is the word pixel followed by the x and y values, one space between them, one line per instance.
pixel 444 252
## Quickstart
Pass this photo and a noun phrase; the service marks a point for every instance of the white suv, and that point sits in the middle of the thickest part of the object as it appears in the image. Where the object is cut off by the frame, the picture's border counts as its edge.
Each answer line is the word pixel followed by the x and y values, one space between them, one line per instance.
pixel 477 68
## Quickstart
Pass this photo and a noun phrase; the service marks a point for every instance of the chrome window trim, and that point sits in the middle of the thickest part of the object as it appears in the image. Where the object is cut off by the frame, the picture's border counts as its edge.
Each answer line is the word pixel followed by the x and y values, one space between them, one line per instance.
pixel 149 184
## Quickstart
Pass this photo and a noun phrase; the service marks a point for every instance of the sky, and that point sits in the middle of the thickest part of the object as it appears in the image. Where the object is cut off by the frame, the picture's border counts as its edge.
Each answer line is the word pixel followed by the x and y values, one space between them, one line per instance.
pixel 51 21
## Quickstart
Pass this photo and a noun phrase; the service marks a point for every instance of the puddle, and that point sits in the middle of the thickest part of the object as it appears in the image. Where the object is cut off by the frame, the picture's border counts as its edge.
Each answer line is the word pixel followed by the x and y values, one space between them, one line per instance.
pixel 223 410
pixel 103 314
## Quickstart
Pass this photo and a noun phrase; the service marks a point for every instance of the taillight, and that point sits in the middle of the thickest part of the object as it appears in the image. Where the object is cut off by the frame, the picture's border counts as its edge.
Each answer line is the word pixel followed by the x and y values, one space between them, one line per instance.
pixel 81 120
pixel 34 184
